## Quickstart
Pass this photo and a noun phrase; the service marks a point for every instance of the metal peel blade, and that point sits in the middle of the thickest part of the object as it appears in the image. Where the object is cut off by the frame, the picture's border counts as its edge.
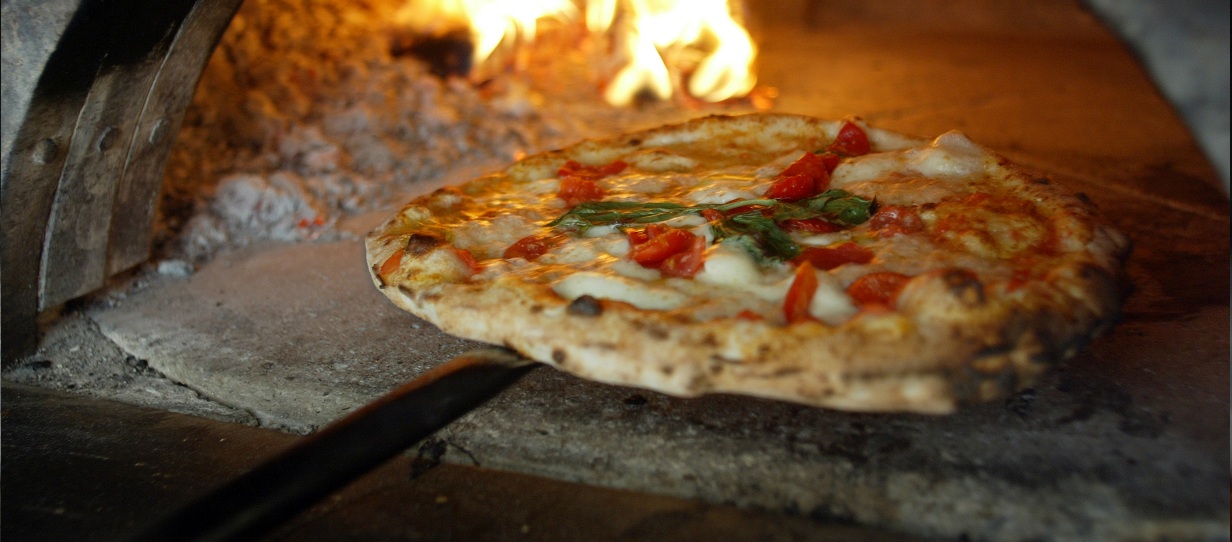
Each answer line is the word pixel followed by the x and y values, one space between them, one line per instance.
pixel 324 462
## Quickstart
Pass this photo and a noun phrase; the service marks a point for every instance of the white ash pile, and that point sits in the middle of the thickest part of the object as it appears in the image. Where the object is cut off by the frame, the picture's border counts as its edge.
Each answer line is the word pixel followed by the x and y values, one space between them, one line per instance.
pixel 303 115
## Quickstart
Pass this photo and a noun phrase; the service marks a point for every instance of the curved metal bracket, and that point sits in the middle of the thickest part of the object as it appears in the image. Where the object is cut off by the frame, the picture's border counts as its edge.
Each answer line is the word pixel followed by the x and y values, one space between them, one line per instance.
pixel 82 170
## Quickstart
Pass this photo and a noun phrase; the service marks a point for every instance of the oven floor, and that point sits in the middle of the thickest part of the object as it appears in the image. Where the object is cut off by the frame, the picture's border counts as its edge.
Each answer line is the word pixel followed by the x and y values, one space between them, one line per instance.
pixel 78 468
pixel 1129 440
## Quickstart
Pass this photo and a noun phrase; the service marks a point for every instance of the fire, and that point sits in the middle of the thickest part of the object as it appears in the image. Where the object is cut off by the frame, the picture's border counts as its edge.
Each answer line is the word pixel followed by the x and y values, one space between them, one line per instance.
pixel 662 46
pixel 494 22
pixel 491 23
pixel 666 36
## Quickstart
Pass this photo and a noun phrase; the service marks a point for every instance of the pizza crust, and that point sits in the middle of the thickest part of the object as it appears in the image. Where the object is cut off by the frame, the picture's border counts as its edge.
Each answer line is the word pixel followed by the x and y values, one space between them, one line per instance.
pixel 953 337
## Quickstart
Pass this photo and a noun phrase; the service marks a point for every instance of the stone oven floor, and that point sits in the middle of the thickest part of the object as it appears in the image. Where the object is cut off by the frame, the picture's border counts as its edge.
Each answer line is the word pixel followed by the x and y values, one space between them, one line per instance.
pixel 1129 440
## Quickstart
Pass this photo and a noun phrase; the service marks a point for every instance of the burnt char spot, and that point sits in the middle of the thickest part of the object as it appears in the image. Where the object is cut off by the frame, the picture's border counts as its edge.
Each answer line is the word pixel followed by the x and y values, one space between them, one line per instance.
pixel 635 142
pixel 636 399
pixel 1042 180
pixel 1093 396
pixel 536 309
pixel 585 306
pixel 558 355
pixel 421 243
pixel 1021 404
pixel 1007 381
pixel 964 384
pixel 39 364
pixel 710 340
pixel 406 291
pixel 429 456
pixel 657 332
pixel 860 444
pixel 965 286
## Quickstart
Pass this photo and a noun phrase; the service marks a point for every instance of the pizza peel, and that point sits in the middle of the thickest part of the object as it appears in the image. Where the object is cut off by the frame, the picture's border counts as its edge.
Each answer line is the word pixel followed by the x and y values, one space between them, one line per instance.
pixel 323 462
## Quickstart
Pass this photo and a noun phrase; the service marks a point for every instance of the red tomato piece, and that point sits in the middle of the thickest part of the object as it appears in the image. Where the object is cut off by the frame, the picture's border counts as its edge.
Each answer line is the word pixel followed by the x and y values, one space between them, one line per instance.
pixel 810 225
pixel 1018 279
pixel 765 211
pixel 613 168
pixel 391 264
pixel 687 262
pixel 575 169
pixel 530 247
pixel 569 168
pixel 850 141
pixel 468 259
pixel 712 215
pixel 877 289
pixel 830 160
pixel 791 188
pixel 892 220
pixel 827 258
pixel 575 190
pixel 812 166
pixel 660 246
pixel 655 230
pixel 637 237
pixel 800 294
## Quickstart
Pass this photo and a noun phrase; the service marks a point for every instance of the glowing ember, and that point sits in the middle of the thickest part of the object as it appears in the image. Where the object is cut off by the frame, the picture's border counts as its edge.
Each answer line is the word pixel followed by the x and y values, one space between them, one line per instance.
pixel 659 43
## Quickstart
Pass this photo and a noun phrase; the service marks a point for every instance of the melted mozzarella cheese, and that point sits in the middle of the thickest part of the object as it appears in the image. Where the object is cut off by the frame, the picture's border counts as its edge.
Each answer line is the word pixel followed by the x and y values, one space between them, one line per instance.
pixel 617 288
pixel 902 190
pixel 634 270
pixel 488 239
pixel 830 303
pixel 915 176
pixel 579 251
pixel 728 266
pixel 721 190
pixel 732 267
pixel 951 155
pixel 661 161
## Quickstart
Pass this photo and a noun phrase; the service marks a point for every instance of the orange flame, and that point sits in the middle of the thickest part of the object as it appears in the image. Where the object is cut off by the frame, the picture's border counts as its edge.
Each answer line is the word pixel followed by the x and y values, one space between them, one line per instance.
pixel 662 29
pixel 658 40
pixel 492 23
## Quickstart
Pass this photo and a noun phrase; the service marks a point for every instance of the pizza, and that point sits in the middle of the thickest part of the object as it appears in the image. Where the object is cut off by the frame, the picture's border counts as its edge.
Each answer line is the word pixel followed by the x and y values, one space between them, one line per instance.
pixel 821 262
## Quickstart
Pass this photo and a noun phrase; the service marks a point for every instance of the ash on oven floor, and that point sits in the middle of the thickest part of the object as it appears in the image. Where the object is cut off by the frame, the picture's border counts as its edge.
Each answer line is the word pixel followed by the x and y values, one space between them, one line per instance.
pixel 74 356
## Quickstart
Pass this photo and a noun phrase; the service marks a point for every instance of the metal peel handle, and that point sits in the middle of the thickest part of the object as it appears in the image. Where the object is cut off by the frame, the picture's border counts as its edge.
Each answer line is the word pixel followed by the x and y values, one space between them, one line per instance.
pixel 316 466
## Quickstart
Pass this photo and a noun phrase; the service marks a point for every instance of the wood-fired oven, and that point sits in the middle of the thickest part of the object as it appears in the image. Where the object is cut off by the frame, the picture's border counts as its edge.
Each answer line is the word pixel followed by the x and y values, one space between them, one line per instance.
pixel 185 185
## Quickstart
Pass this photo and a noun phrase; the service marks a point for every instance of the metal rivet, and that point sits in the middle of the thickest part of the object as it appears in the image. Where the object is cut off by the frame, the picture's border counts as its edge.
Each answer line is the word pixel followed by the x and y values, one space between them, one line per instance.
pixel 158 131
pixel 108 137
pixel 44 151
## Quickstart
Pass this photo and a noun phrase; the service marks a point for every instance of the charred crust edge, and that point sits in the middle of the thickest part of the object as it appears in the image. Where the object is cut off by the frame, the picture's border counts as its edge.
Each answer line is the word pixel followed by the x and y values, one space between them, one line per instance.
pixel 585 305
pixel 965 286
pixel 419 244
pixel 381 284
